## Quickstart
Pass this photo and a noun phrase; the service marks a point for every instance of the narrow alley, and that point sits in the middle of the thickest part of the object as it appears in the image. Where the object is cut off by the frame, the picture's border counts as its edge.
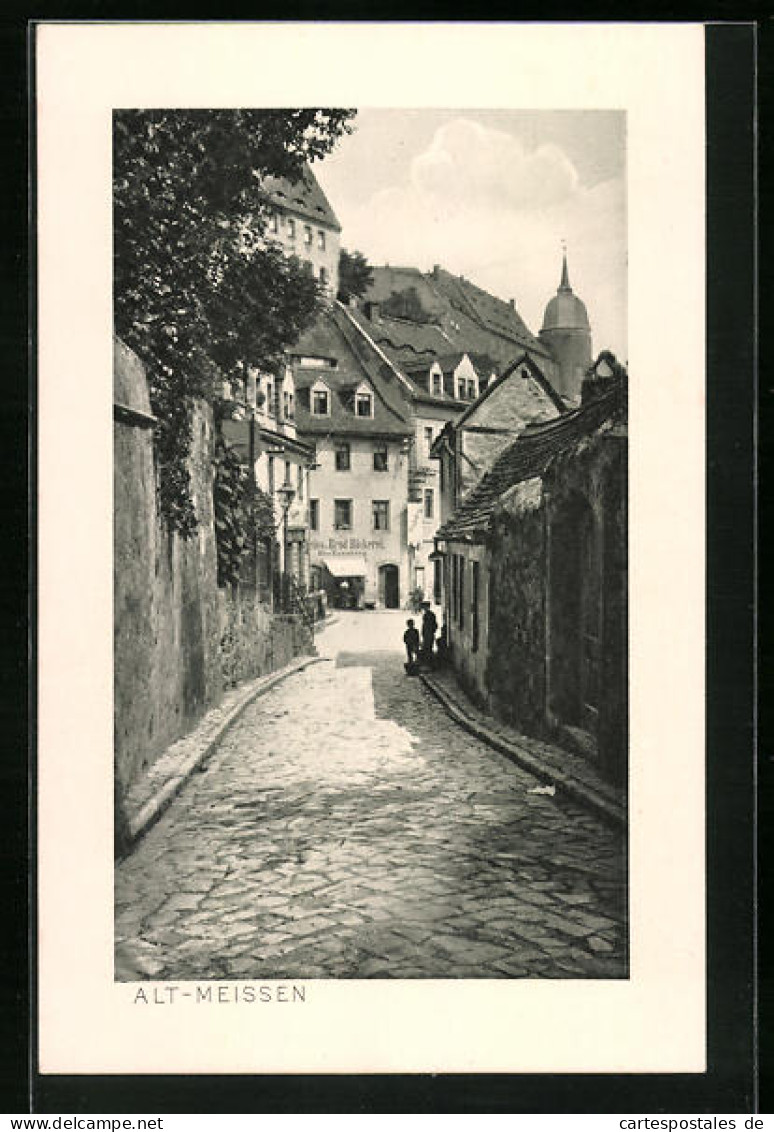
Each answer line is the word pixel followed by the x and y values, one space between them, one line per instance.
pixel 346 827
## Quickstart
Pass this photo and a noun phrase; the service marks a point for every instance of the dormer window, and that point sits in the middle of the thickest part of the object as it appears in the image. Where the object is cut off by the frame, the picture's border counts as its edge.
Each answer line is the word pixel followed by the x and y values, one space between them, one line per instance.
pixel 364 403
pixel 321 401
pixel 437 383
pixel 461 389
pixel 472 390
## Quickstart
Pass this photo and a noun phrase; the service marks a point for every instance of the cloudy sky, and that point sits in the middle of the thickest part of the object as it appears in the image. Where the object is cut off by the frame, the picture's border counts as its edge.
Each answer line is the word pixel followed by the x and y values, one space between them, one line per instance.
pixel 491 195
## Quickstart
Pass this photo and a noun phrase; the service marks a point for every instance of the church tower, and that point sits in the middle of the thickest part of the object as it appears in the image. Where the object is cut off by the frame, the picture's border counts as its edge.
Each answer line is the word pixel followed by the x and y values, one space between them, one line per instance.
pixel 567 334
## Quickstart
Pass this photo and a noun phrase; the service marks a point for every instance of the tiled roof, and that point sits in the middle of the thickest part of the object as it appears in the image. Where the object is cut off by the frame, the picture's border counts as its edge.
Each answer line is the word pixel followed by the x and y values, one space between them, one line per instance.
pixel 331 337
pixel 528 456
pixel 405 342
pixel 491 313
pixel 466 317
pixel 303 197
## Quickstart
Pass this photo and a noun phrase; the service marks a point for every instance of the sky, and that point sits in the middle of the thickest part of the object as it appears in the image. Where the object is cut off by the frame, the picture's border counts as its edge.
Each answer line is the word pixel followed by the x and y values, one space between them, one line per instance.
pixel 491 195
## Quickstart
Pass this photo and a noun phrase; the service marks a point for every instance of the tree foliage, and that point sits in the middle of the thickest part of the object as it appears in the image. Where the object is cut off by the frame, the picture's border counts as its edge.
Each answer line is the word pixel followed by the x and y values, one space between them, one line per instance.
pixel 355 275
pixel 407 304
pixel 199 292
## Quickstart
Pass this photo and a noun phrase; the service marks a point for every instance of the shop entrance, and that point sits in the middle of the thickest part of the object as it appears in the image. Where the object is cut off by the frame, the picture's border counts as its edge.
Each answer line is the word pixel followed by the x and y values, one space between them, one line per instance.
pixel 389 586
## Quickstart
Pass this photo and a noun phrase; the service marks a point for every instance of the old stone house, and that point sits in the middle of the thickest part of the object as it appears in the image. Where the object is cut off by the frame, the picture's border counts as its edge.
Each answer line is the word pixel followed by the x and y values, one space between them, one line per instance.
pixel 355 416
pixel 469 445
pixel 535 577
pixel 304 224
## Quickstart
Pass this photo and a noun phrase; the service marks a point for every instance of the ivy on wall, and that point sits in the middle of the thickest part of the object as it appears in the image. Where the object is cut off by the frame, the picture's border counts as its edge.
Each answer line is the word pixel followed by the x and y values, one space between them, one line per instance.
pixel 242 512
pixel 231 499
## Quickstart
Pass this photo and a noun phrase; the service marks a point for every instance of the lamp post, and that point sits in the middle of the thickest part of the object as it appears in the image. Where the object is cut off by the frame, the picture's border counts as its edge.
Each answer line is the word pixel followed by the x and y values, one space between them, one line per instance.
pixel 286 496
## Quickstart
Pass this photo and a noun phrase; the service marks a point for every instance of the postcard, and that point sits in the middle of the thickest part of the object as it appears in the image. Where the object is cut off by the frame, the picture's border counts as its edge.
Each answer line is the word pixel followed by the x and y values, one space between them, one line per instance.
pixel 371 513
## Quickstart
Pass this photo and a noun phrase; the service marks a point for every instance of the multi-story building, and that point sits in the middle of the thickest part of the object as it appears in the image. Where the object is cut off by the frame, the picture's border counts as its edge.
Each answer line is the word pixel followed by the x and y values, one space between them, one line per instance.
pixel 358 421
pixel 468 446
pixel 262 428
pixel 304 223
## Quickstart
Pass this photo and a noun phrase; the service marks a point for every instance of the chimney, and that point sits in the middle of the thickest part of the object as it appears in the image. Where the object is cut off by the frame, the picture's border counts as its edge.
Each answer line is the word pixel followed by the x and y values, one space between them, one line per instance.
pixel 372 311
pixel 512 304
pixel 436 270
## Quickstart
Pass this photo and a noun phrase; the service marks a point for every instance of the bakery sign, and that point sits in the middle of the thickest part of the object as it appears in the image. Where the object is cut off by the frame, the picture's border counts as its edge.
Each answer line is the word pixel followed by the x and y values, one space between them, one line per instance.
pixel 345 545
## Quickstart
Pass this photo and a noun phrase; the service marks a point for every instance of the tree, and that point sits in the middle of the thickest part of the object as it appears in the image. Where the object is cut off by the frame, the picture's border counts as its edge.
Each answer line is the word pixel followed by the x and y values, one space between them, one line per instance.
pixel 355 275
pixel 407 304
pixel 198 290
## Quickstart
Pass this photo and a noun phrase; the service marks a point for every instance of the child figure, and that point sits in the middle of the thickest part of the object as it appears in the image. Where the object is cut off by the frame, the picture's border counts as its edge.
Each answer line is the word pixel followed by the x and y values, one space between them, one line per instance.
pixel 411 641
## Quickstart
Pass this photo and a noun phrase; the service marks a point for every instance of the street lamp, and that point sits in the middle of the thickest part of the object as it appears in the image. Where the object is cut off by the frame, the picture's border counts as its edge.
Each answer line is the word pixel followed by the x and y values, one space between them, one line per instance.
pixel 286 496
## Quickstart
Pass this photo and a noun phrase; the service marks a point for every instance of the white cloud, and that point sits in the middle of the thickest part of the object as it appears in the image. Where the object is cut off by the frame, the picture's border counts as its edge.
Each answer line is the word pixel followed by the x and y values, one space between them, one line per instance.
pixel 468 164
pixel 481 205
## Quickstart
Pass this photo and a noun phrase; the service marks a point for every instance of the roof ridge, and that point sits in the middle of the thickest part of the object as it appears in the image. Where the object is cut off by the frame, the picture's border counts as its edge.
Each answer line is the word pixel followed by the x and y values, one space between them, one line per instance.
pixel 500 477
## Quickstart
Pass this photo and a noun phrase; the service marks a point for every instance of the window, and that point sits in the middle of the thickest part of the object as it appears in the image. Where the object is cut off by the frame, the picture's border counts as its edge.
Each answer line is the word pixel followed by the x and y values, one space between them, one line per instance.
pixel 321 241
pixel 461 389
pixel 363 405
pixel 428 439
pixel 342 514
pixel 307 236
pixel 474 604
pixel 343 454
pixel 437 377
pixel 472 389
pixel 381 513
pixel 419 578
pixel 314 514
pixel 324 276
pixel 270 397
pixel 320 404
pixel 429 510
pixel 287 471
pixel 291 407
pixel 271 475
pixel 274 222
pixel 285 404
pixel 299 481
pixel 291 228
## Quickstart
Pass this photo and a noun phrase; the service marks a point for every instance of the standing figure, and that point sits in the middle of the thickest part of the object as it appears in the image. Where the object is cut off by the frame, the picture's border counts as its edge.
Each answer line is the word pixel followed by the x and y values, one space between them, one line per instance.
pixel 411 641
pixel 429 626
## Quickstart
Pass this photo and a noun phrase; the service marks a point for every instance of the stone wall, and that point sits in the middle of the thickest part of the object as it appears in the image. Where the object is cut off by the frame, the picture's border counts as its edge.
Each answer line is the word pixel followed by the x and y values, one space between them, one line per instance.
pixel 558 590
pixel 179 640
pixel 516 665
pixel 517 401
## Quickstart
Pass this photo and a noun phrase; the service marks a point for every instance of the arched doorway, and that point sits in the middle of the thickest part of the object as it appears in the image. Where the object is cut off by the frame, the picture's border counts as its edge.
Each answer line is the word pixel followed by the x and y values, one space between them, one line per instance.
pixel 389 586
pixel 576 616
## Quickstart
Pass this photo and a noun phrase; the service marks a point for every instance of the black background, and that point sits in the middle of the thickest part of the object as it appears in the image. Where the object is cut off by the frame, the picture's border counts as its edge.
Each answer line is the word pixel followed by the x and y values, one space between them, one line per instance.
pixel 730 1083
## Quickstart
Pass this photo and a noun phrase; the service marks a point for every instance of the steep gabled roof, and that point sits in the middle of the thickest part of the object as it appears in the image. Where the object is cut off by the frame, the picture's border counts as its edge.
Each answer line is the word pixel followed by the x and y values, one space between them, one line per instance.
pixel 491 313
pixel 465 317
pixel 528 456
pixel 536 373
pixel 303 197
pixel 331 337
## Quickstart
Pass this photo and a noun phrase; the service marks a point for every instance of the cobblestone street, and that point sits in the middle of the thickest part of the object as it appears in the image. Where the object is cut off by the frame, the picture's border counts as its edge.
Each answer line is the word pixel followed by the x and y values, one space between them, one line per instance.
pixel 347 827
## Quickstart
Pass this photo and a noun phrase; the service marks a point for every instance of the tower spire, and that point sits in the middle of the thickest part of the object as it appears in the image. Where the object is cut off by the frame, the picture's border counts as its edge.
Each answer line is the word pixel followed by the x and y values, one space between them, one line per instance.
pixel 565 283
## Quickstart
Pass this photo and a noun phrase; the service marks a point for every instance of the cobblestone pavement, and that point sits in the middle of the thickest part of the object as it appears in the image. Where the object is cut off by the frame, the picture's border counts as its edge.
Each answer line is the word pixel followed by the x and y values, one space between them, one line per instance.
pixel 346 827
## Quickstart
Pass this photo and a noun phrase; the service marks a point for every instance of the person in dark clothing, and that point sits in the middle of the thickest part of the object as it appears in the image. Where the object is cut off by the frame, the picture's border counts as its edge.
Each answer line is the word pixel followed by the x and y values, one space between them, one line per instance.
pixel 411 641
pixel 429 626
pixel 443 645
